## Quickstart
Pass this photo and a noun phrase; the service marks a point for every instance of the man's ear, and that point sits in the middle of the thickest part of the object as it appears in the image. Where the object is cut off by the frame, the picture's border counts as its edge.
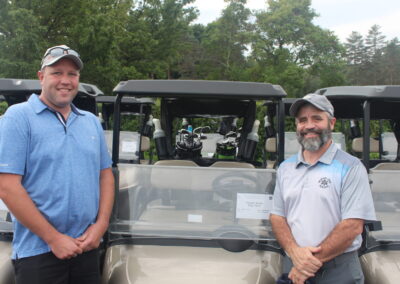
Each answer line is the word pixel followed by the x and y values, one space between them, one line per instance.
pixel 332 123
pixel 40 74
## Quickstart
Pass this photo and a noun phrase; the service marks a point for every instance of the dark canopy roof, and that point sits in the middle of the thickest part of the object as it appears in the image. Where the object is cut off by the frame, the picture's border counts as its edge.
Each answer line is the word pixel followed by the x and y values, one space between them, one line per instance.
pixel 200 89
pixel 348 101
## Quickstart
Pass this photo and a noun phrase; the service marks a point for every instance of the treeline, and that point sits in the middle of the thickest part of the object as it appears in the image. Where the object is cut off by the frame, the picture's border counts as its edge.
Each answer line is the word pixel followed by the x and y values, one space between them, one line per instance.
pixel 159 39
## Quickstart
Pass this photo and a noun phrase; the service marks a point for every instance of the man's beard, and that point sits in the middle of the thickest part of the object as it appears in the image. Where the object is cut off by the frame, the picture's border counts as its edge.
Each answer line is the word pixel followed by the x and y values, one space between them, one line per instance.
pixel 315 143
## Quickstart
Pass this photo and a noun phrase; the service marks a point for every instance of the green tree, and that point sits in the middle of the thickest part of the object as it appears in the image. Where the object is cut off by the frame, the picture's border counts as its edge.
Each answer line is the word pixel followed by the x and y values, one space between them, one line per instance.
pixel 91 27
pixel 159 32
pixel 391 63
pixel 374 42
pixel 225 41
pixel 290 50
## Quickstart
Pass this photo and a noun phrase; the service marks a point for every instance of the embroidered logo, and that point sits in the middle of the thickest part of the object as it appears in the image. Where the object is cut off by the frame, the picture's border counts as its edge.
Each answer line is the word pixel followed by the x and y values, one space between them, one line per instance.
pixel 324 182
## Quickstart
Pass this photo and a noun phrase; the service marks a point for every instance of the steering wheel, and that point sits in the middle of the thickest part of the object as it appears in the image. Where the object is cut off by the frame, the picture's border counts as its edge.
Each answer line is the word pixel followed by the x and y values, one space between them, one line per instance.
pixel 228 185
pixel 234 238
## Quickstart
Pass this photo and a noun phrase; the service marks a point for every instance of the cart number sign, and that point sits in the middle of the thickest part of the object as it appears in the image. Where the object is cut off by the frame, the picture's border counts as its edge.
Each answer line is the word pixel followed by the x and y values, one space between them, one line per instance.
pixel 128 146
pixel 253 206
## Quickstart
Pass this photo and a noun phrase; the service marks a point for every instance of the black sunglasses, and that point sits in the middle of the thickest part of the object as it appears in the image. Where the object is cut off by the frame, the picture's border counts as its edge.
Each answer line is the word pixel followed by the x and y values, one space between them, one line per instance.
pixel 58 50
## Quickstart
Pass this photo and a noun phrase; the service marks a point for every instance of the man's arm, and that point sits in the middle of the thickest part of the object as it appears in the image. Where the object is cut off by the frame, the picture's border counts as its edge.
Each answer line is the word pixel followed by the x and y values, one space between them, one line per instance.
pixel 92 236
pixel 341 237
pixel 302 257
pixel 22 207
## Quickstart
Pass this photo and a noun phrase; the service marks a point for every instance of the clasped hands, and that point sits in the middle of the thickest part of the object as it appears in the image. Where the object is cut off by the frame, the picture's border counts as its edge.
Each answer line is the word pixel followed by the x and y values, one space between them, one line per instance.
pixel 305 264
pixel 66 247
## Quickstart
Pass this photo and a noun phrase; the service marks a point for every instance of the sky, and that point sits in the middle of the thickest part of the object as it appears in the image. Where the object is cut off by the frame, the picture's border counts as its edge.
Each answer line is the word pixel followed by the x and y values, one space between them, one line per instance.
pixel 340 16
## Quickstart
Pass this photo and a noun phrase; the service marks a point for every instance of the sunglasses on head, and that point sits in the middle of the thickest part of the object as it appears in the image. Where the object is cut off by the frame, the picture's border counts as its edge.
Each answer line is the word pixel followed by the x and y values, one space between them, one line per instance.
pixel 58 50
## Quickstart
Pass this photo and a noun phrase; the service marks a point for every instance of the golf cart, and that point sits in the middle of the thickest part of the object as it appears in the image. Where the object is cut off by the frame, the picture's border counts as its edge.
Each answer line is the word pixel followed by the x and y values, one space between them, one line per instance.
pixel 380 253
pixel 15 91
pixel 188 217
pixel 129 140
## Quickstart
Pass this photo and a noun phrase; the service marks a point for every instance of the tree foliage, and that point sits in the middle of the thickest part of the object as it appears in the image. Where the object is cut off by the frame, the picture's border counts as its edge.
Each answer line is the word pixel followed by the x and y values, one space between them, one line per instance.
pixel 158 39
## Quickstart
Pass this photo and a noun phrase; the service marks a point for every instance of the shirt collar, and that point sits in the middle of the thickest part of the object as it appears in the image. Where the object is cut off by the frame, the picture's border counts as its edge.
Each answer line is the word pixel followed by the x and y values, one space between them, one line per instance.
pixel 326 158
pixel 40 106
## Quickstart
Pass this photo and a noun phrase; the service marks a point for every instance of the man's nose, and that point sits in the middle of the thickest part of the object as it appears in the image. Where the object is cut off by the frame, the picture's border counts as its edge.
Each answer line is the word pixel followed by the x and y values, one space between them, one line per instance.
pixel 309 124
pixel 65 79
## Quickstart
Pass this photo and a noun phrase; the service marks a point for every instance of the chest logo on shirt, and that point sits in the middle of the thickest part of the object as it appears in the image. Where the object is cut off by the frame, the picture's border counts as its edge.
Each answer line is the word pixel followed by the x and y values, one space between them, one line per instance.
pixel 324 182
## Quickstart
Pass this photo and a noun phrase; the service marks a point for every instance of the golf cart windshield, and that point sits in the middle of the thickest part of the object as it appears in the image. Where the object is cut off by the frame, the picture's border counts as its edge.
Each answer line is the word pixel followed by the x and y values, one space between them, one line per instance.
pixel 194 202
pixel 5 220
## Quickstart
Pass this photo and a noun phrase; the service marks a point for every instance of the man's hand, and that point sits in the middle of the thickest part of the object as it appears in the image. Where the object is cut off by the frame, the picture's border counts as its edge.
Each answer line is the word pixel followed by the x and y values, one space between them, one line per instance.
pixel 91 238
pixel 304 260
pixel 65 247
pixel 297 277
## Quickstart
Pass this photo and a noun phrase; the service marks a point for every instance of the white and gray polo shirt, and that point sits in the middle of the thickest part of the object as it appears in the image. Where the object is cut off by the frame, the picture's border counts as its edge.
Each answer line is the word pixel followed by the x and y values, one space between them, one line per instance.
pixel 315 198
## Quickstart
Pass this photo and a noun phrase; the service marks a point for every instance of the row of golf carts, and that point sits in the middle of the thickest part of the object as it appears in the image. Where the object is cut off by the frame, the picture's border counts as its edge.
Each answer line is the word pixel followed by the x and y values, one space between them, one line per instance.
pixel 192 195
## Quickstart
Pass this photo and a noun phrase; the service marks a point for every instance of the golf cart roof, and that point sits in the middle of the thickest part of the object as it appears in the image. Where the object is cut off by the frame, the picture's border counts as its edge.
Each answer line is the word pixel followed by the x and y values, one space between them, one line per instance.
pixel 199 89
pixel 362 92
pixel 128 104
pixel 18 90
pixel 348 100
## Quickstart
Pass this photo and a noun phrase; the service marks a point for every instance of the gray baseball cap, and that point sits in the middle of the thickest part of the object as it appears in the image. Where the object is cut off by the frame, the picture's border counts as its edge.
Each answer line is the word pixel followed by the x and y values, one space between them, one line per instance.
pixel 318 101
pixel 58 52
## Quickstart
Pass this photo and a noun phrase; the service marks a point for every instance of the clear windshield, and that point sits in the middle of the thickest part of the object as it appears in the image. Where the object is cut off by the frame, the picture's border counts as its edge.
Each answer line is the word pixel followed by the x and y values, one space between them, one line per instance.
pixel 5 222
pixel 194 202
pixel 128 144
pixel 386 195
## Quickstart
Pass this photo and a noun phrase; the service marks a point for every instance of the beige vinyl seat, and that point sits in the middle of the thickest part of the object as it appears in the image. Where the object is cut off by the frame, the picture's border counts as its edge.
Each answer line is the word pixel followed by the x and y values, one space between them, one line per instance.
pixel 357 145
pixel 178 163
pixel 232 164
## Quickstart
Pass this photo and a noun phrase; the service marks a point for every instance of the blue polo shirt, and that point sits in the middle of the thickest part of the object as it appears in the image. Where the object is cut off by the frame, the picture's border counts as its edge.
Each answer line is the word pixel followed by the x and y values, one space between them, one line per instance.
pixel 60 163
pixel 315 198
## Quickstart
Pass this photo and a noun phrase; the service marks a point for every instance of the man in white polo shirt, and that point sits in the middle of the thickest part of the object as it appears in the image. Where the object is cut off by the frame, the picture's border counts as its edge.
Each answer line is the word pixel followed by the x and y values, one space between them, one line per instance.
pixel 321 200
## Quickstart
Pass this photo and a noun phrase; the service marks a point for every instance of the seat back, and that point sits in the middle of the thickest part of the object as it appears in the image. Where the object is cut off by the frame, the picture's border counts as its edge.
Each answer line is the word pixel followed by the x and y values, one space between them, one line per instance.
pixel 357 145
pixel 232 164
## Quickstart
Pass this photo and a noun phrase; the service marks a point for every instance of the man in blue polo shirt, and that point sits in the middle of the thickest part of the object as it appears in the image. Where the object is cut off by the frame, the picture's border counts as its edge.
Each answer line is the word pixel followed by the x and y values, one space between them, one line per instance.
pixel 321 199
pixel 55 178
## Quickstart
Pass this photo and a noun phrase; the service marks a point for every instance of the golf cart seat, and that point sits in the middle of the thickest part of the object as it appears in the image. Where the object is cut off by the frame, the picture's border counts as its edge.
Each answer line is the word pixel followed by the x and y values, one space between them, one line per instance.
pixel 232 164
pixel 357 145
pixel 179 163
pixel 387 167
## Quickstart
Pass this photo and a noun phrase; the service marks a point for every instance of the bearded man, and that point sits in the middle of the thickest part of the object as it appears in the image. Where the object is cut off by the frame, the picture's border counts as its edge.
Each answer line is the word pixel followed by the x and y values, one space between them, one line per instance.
pixel 321 199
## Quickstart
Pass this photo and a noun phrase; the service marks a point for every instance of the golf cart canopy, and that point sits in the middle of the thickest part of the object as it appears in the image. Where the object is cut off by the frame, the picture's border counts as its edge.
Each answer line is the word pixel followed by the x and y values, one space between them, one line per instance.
pixel 199 89
pixel 348 101
pixel 19 90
